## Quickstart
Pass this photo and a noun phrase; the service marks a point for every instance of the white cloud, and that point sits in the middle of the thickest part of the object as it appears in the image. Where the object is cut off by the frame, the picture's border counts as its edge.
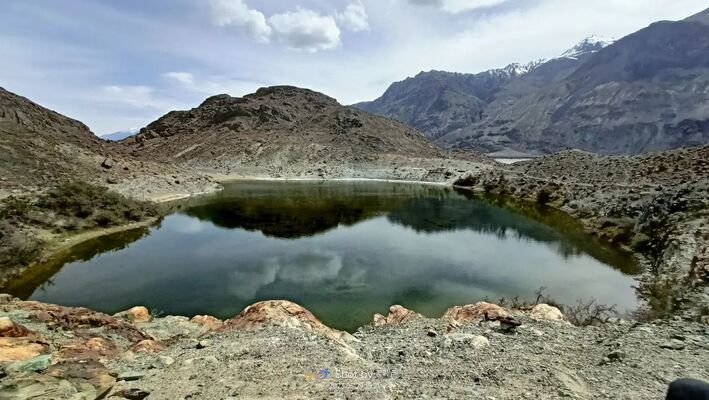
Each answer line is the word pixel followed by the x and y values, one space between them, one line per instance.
pixel 354 17
pixel 457 6
pixel 184 78
pixel 237 13
pixel 132 95
pixel 306 30
pixel 302 29
pixel 212 85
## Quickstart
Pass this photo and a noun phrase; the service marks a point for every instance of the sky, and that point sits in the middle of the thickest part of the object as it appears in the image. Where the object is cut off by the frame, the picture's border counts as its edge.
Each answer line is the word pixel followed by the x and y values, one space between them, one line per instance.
pixel 116 65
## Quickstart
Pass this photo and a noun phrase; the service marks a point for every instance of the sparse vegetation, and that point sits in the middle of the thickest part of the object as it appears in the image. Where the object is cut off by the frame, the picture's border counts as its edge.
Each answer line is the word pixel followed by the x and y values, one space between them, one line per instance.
pixel 68 207
pixel 581 313
pixel 543 195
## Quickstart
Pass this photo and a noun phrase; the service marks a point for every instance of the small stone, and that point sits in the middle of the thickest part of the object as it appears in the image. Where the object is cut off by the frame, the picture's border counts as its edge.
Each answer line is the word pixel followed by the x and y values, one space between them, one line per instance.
pixel 107 163
pixel 167 360
pixel 203 343
pixel 673 344
pixel 616 355
pixel 130 376
pixel 132 394
pixel 475 341
pixel 431 333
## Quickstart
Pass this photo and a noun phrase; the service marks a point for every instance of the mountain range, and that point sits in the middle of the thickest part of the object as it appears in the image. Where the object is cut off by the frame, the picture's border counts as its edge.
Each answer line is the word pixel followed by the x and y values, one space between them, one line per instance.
pixel 120 135
pixel 647 91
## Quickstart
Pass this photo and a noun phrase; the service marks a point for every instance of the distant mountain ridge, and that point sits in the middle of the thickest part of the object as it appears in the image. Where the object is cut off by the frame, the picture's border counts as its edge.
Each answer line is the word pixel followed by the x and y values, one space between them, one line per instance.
pixel 647 91
pixel 440 102
pixel 120 135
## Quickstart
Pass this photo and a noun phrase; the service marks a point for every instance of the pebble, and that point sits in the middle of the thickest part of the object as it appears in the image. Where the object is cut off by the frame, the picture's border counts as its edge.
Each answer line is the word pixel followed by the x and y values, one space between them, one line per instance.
pixel 616 355
pixel 673 344
pixel 130 376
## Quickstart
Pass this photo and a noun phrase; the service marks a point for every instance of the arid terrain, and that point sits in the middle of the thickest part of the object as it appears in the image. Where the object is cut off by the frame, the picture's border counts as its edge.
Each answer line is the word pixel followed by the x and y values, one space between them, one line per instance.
pixel 654 204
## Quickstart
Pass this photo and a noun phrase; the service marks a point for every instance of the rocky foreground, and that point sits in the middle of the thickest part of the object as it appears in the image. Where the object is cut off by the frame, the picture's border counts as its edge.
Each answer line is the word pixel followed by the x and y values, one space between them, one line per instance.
pixel 277 349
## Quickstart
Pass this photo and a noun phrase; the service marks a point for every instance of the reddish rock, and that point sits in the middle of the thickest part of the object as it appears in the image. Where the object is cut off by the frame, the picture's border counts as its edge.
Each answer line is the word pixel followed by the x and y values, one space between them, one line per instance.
pixel 286 314
pixel 476 312
pixel 77 319
pixel 397 315
pixel 19 349
pixel 11 329
pixel 93 348
pixel 148 346
pixel 208 322
pixel 136 314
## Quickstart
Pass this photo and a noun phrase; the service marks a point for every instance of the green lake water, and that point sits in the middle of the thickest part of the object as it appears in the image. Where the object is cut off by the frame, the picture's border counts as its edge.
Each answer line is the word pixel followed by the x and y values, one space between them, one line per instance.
pixel 344 250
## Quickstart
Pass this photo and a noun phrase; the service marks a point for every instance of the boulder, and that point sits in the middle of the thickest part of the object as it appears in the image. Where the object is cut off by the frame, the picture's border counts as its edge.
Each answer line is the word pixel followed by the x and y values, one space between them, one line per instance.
pixel 19 349
pixel 465 180
pixel 10 329
pixel 209 322
pixel 397 315
pixel 108 163
pixel 76 318
pixel 93 348
pixel 34 364
pixel 545 311
pixel 285 314
pixel 136 314
pixel 148 346
pixel 475 312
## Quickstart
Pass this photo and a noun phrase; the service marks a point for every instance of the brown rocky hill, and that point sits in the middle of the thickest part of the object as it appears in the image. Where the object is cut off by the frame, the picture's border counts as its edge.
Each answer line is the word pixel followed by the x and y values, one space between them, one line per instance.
pixel 40 147
pixel 282 131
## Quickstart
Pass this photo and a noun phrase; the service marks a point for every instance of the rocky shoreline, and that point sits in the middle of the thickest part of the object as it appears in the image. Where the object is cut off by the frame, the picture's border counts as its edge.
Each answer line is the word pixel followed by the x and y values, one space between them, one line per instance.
pixel 277 349
pixel 656 205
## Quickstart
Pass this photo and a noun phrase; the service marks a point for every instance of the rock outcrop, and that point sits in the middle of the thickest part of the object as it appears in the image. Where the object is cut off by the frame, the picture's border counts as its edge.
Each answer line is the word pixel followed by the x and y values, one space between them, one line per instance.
pixel 397 315
pixel 475 312
pixel 283 314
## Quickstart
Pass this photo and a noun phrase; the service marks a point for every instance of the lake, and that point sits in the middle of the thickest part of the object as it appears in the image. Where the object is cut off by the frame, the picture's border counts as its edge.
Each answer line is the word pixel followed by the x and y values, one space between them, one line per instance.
pixel 344 250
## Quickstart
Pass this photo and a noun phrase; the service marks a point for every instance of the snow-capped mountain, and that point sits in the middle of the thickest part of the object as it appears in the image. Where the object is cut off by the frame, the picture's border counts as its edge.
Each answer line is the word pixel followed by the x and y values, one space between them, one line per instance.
pixel 120 135
pixel 519 69
pixel 566 101
pixel 589 45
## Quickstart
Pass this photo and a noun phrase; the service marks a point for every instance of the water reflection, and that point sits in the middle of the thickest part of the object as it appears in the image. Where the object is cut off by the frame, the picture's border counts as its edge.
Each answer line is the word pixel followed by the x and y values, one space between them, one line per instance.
pixel 344 250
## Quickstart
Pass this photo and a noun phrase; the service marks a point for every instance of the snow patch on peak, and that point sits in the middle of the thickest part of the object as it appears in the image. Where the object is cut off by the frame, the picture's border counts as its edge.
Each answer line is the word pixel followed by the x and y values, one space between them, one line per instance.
pixel 517 69
pixel 589 45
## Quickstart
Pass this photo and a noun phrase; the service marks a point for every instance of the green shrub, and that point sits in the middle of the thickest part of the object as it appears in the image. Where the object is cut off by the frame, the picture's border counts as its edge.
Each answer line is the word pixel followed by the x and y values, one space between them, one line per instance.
pixel 68 207
pixel 17 247
pixel 93 206
pixel 543 196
